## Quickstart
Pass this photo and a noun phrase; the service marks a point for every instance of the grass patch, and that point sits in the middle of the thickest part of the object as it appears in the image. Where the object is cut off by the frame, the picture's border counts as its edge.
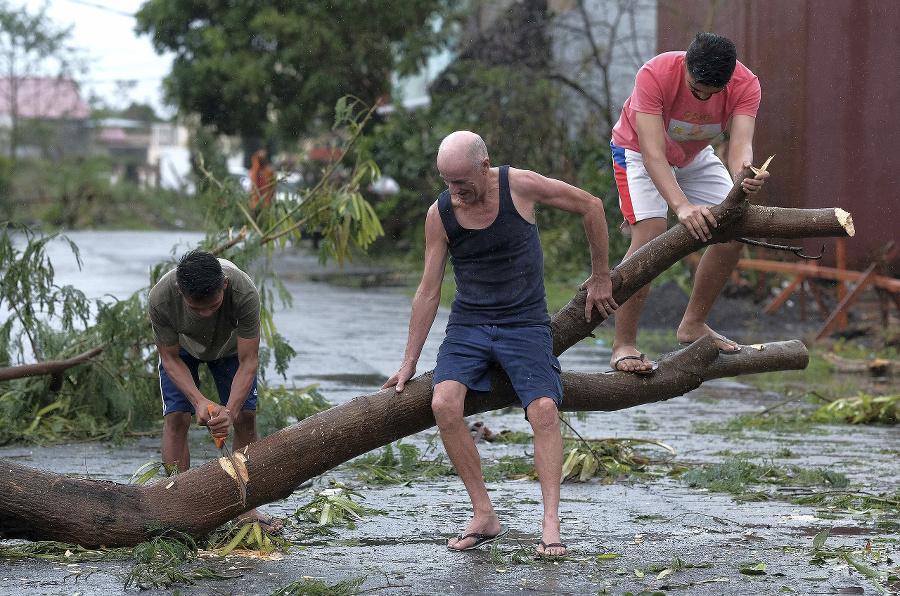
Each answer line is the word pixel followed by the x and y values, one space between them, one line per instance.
pixel 861 409
pixel 796 422
pixel 508 468
pixel 399 463
pixel 736 475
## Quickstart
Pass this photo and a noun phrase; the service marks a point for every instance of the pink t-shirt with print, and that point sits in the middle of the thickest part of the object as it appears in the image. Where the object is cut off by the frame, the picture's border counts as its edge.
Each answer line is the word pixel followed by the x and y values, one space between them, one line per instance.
pixel 691 124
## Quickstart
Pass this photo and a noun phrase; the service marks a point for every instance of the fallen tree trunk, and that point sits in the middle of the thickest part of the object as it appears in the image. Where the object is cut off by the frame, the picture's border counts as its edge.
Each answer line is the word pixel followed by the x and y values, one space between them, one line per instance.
pixel 39 505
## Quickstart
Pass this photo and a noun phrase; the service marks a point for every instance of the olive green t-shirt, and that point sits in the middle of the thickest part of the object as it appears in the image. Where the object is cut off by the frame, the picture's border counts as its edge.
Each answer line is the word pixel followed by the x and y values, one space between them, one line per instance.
pixel 212 337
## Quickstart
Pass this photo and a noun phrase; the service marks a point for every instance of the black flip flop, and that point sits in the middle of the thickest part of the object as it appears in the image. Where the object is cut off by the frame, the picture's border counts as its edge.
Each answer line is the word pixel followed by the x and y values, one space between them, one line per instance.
pixel 479 539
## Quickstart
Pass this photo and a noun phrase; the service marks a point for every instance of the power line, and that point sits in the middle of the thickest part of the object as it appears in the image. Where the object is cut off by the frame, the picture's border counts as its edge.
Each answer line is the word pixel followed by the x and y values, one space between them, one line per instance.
pixel 102 7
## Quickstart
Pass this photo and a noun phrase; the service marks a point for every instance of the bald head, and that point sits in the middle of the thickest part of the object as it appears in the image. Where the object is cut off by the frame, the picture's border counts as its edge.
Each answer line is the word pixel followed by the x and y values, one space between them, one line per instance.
pixel 462 149
pixel 463 164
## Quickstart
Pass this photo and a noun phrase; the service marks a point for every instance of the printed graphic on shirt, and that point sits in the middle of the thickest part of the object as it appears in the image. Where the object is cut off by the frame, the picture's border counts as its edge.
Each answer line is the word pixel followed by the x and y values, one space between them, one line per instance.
pixel 687 131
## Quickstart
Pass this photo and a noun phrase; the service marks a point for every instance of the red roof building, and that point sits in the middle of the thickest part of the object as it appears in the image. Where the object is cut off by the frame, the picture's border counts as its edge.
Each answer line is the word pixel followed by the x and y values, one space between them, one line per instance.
pixel 48 98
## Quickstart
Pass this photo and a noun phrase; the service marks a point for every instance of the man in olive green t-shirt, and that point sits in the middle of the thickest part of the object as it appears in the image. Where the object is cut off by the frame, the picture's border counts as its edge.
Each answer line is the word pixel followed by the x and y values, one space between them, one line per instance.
pixel 206 311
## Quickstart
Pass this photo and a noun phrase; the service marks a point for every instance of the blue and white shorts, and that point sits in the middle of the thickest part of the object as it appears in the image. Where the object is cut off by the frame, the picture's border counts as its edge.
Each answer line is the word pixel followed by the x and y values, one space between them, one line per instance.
pixel 704 181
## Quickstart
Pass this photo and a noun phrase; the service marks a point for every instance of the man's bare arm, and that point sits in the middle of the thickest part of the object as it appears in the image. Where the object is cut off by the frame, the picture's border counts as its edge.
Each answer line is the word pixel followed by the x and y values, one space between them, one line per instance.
pixel 740 152
pixel 427 299
pixel 529 188
pixel 248 363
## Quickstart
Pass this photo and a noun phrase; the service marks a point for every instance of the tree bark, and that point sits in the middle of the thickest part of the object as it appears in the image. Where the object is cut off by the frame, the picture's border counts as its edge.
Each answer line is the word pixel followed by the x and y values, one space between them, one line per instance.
pixel 40 505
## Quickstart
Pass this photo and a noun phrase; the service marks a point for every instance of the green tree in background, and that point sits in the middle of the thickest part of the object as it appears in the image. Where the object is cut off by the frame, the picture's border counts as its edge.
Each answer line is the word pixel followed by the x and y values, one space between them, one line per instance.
pixel 514 111
pixel 30 46
pixel 259 67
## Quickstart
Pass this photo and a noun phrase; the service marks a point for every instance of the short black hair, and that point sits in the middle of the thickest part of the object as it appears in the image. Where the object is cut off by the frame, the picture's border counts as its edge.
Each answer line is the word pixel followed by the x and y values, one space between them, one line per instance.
pixel 199 275
pixel 711 59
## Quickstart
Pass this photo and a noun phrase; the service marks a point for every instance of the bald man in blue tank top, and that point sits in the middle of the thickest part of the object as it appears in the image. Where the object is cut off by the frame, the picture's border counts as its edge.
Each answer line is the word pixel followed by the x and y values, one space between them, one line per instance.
pixel 485 221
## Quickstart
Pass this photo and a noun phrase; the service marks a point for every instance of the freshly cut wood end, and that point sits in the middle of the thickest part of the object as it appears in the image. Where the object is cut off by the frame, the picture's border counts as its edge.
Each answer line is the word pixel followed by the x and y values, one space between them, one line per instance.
pixel 241 470
pixel 845 220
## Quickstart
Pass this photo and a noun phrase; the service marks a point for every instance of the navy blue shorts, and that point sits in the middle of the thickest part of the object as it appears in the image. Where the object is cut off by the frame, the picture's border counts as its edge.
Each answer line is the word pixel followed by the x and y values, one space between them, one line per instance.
pixel 223 371
pixel 524 353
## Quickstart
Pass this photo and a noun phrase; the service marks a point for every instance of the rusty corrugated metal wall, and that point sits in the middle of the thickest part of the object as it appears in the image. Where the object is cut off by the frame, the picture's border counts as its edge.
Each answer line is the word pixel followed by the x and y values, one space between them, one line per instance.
pixel 830 102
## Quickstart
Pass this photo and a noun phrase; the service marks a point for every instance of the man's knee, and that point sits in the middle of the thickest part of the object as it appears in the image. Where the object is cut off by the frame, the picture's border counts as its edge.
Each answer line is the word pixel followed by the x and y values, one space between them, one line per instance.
pixel 246 419
pixel 177 423
pixel 447 403
pixel 543 413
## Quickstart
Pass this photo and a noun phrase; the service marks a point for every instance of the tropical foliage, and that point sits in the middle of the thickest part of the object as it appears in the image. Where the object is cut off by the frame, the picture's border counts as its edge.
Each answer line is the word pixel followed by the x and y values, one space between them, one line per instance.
pixel 260 68
pixel 116 391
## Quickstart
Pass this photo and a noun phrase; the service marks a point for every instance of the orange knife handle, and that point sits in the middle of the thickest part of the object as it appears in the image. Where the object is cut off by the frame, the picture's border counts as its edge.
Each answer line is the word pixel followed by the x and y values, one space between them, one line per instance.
pixel 220 442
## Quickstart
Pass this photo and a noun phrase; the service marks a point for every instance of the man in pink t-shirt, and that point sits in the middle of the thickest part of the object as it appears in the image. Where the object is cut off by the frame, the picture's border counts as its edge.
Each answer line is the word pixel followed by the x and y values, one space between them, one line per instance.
pixel 662 159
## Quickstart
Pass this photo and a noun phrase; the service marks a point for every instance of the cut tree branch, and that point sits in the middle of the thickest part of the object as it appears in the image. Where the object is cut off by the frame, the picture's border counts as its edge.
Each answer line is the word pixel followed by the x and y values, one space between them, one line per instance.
pixel 50 367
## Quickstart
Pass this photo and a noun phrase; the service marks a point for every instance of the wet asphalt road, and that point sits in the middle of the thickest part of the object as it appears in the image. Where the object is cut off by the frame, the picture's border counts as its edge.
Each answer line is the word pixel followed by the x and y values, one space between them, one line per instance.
pixel 621 536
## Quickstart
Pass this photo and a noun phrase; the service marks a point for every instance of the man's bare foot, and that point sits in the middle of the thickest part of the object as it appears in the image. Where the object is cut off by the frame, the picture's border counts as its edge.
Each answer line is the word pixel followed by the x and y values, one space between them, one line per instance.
pixel 483 527
pixel 551 544
pixel 628 359
pixel 688 335
pixel 270 524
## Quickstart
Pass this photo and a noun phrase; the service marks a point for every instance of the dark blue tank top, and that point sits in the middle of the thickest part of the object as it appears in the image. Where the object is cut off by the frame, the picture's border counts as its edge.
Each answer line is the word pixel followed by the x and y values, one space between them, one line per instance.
pixel 499 270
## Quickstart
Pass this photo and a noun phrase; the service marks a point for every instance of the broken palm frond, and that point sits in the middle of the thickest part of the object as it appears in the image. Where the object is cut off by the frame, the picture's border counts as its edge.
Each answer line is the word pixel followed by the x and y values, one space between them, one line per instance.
pixel 736 474
pixel 60 551
pixel 246 536
pixel 161 562
pixel 862 409
pixel 313 587
pixel 850 502
pixel 385 468
pixel 147 471
pixel 863 560
pixel 334 506
pixel 606 461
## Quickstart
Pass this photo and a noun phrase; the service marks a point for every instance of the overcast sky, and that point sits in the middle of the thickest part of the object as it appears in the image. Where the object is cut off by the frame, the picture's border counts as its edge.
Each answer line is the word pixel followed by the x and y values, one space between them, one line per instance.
pixel 104 30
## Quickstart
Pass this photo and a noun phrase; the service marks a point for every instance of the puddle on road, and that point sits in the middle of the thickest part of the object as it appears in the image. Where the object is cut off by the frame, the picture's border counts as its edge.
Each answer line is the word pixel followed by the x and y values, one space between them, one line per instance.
pixel 840 531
